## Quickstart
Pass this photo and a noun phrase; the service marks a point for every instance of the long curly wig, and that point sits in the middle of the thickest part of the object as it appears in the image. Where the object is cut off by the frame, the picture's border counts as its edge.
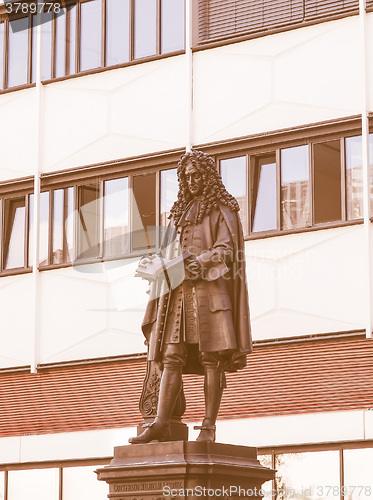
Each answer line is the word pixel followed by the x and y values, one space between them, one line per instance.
pixel 214 191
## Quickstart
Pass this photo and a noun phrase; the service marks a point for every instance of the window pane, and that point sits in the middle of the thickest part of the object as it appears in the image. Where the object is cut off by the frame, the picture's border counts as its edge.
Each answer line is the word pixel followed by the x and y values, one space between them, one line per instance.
pixel 300 475
pixel 172 19
pixel 2 485
pixel 71 37
pixel 263 194
pixel 143 212
pixel 90 37
pixel 295 188
pixel 42 484
pixel 61 44
pixel 46 66
pixel 14 233
pixel 116 230
pixel 58 225
pixel 117 31
pixel 233 172
pixel 81 482
pixel 33 48
pixel 69 225
pixel 358 478
pixel 145 28
pixel 17 52
pixel 88 221
pixel 354 177
pixel 43 227
pixel 1 57
pixel 327 181
pixel 169 189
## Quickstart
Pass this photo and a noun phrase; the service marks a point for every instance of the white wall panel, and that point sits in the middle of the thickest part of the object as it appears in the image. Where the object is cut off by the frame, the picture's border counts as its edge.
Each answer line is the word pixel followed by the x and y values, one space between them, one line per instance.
pixel 18 131
pixel 307 283
pixel 283 80
pixel 91 311
pixel 115 114
pixel 16 306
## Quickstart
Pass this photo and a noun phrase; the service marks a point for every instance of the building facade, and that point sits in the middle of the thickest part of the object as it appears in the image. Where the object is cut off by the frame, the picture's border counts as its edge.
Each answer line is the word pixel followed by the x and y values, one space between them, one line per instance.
pixel 98 101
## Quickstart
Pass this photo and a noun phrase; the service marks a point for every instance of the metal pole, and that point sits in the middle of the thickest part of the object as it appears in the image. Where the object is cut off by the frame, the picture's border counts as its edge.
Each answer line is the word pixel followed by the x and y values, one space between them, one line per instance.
pixel 36 225
pixel 189 72
pixel 366 173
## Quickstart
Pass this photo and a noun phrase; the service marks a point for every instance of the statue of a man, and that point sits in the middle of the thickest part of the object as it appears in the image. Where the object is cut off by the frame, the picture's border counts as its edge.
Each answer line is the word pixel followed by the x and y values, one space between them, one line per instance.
pixel 201 325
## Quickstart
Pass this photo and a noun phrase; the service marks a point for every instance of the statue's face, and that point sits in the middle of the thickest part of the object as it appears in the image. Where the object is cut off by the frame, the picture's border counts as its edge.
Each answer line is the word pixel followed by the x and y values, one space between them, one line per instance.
pixel 194 179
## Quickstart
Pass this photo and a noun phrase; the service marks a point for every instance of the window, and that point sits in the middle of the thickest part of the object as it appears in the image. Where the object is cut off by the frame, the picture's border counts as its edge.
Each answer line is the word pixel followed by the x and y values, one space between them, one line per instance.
pixel 263 193
pixel 18 52
pixel 219 19
pixel 169 189
pixel 42 484
pixel 117 31
pixel 144 212
pixel 116 218
pixel 327 181
pixel 14 234
pixel 357 471
pixel 295 188
pixel 88 223
pixel 233 172
pixel 90 34
pixel 145 28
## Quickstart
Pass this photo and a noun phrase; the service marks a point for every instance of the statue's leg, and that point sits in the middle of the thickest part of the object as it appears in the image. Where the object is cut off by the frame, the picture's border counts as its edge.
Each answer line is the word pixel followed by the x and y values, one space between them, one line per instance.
pixel 213 388
pixel 170 386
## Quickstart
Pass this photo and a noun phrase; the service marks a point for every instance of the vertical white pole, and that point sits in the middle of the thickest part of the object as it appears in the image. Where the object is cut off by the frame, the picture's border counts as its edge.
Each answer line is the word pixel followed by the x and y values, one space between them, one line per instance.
pixel 366 173
pixel 189 72
pixel 36 226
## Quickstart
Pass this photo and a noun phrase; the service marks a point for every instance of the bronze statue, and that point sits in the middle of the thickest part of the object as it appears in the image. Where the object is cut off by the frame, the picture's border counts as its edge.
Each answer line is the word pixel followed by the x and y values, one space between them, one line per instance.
pixel 198 323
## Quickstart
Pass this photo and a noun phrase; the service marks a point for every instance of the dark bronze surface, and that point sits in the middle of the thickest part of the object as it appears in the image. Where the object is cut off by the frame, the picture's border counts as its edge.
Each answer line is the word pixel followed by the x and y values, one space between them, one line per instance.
pixel 182 469
pixel 199 322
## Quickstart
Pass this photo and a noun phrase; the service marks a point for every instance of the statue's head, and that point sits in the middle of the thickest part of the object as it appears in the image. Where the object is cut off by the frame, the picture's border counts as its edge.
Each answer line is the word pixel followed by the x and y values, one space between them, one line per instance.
pixel 193 172
pixel 198 176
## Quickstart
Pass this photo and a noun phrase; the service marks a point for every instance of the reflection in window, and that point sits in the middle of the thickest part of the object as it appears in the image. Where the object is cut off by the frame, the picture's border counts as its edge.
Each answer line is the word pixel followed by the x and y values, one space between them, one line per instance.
pixel 90 36
pixel 357 466
pixel 116 223
pixel 62 241
pixel 71 38
pixel 46 27
pixel 233 172
pixel 144 212
pixel 60 51
pixel 263 190
pixel 43 229
pixel 14 233
pixel 354 177
pixel 169 189
pixel 88 221
pixel 18 52
pixel 42 484
pixel 81 482
pixel 172 22
pixel 117 31
pixel 327 181
pixel 145 28
pixel 295 188
pixel 266 461
pixel 300 475
pixel 1 56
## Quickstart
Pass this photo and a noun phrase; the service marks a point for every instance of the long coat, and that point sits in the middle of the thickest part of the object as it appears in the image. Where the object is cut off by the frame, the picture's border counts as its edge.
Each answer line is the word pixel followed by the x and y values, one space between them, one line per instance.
pixel 221 292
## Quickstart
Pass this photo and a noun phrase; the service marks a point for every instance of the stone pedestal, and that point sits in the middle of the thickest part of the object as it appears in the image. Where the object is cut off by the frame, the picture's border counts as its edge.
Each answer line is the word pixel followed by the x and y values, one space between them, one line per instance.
pixel 180 470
